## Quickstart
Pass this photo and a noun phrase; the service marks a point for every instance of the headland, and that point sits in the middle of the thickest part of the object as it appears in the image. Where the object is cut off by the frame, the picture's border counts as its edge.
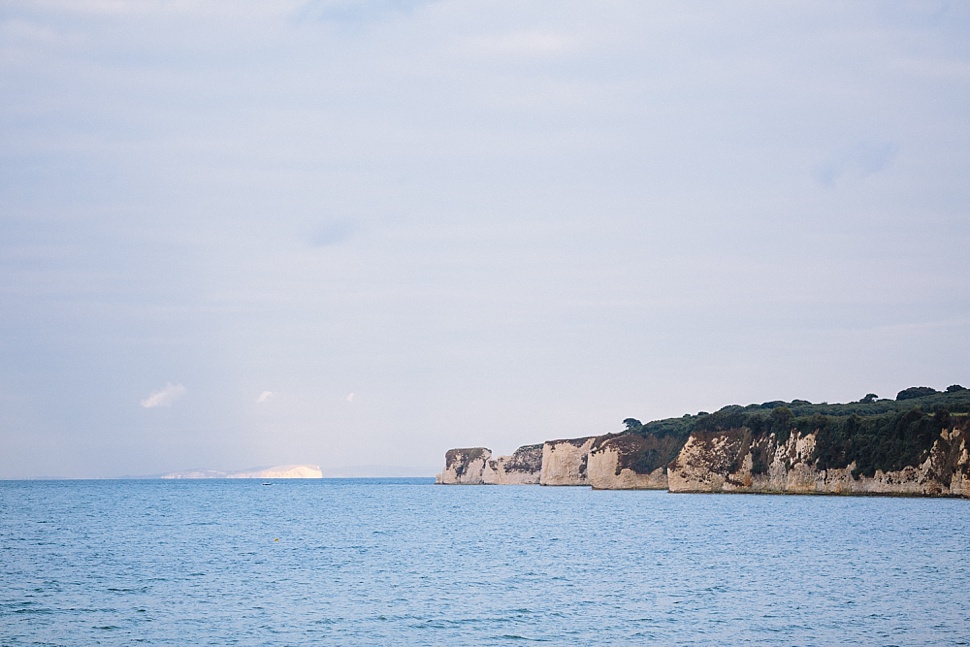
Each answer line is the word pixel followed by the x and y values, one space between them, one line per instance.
pixel 914 445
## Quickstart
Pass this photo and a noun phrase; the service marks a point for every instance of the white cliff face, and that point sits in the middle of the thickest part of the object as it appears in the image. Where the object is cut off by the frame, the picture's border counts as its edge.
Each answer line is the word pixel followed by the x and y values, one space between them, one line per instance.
pixel 728 461
pixel 565 462
pixel 464 466
pixel 495 473
pixel 524 467
pixel 960 483
pixel 700 466
pixel 706 464
pixel 603 473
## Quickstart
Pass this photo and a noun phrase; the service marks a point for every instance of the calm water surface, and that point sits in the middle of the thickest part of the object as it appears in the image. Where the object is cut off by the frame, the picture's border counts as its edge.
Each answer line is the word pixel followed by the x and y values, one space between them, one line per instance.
pixel 403 562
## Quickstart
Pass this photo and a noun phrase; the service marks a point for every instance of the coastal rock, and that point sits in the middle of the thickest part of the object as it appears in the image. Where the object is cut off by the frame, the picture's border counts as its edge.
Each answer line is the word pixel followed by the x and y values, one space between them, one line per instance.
pixel 916 445
pixel 524 467
pixel 565 462
pixel 631 461
pixel 735 461
pixel 960 483
pixel 464 466
pixel 615 463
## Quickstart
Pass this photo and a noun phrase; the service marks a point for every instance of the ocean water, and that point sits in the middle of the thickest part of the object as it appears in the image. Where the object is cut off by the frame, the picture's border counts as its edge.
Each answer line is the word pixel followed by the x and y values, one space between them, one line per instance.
pixel 404 562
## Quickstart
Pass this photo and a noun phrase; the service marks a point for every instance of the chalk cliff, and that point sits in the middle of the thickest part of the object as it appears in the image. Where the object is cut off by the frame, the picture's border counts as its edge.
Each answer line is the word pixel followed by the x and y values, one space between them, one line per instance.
pixel 623 462
pixel 523 467
pixel 735 460
pixel 915 445
pixel 464 466
pixel 566 462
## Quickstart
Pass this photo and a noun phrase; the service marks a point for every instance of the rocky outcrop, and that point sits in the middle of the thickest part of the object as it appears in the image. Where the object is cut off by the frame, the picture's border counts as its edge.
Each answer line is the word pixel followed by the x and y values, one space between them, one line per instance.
pixel 464 466
pixel 617 462
pixel 735 461
pixel 732 460
pixel 566 462
pixel 524 467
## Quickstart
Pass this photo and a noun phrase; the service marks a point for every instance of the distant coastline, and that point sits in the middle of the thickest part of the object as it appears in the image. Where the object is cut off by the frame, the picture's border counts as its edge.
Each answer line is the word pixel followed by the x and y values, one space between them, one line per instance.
pixel 917 444
pixel 277 472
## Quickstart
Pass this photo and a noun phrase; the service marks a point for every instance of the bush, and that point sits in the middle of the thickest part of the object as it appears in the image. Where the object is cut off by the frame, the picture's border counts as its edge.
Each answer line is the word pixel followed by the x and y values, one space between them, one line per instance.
pixel 915 392
pixel 876 434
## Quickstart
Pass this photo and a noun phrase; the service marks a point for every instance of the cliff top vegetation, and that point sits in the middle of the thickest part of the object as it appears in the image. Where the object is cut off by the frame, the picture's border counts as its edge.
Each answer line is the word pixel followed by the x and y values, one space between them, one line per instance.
pixel 875 433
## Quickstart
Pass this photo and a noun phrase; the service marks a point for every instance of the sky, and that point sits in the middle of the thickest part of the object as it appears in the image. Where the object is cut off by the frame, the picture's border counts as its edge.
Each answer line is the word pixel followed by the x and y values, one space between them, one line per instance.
pixel 360 233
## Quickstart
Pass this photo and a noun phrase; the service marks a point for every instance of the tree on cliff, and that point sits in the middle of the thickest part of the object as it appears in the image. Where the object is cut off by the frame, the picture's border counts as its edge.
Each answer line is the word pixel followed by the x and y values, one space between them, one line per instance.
pixel 915 392
pixel 632 424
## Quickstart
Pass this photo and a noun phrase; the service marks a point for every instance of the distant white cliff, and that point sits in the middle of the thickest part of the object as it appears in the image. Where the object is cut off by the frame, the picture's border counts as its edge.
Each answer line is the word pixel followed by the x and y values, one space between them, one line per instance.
pixel 278 472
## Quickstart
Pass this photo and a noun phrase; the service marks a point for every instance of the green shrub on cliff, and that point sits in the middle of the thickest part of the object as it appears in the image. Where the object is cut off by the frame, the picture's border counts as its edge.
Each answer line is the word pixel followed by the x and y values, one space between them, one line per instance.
pixel 642 453
pixel 915 392
pixel 875 434
pixel 887 442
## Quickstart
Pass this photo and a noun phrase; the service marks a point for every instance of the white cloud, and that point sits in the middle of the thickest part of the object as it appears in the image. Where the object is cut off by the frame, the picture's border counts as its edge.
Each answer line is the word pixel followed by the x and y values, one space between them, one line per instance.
pixel 265 396
pixel 164 397
pixel 350 397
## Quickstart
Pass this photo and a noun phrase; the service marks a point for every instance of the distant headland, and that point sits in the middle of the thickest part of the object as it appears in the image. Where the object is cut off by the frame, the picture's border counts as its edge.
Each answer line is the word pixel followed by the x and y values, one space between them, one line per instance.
pixel 914 445
pixel 278 472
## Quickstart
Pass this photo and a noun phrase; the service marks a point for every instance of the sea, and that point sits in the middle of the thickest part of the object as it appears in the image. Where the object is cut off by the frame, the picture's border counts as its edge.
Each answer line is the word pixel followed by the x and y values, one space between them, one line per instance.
pixel 406 562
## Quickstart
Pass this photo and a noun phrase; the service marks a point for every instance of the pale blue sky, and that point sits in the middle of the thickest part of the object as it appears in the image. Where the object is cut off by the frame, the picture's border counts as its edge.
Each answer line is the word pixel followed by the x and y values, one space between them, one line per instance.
pixel 360 233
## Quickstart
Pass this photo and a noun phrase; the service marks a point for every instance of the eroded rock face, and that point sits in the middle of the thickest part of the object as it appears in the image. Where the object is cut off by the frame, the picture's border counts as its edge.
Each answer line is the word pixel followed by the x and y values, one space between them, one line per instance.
pixel 630 461
pixel 605 473
pixel 524 467
pixel 464 466
pixel 733 461
pixel 960 454
pixel 565 462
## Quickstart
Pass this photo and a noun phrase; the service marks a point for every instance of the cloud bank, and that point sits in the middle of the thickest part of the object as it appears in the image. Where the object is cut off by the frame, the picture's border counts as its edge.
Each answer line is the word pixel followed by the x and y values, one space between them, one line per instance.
pixel 491 218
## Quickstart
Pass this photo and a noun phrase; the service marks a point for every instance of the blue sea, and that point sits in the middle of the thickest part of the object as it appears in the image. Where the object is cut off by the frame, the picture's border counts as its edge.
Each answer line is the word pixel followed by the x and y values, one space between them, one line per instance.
pixel 405 562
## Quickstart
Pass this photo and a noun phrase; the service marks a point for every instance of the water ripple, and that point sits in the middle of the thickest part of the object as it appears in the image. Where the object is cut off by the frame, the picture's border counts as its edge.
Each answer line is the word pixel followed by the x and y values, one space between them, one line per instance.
pixel 365 562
